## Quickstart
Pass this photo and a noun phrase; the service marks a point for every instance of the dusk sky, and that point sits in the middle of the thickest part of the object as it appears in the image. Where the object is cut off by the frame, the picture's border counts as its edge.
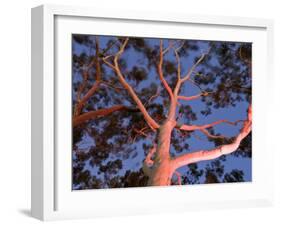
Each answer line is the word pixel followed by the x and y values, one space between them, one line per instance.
pixel 197 140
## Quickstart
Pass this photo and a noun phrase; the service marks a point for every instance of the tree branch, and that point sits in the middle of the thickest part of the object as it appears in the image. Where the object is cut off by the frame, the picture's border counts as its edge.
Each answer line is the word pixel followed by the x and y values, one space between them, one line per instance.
pixel 208 134
pixel 189 73
pixel 107 63
pixel 178 60
pixel 110 85
pixel 178 176
pixel 85 75
pixel 87 96
pixel 78 120
pixel 160 71
pixel 200 127
pixel 168 48
pixel 141 132
pixel 94 88
pixel 190 97
pixel 153 97
pixel 203 155
pixel 148 160
pixel 150 121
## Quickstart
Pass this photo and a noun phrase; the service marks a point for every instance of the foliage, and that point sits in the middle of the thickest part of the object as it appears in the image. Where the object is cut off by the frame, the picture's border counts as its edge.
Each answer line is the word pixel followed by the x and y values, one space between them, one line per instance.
pixel 108 152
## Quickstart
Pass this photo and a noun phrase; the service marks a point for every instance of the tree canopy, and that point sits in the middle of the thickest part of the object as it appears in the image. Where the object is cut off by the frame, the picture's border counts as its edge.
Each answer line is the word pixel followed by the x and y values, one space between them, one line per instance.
pixel 112 137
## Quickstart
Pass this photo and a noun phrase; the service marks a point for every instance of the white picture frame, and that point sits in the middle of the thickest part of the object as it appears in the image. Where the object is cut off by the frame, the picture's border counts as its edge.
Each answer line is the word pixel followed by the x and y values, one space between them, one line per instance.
pixel 51 197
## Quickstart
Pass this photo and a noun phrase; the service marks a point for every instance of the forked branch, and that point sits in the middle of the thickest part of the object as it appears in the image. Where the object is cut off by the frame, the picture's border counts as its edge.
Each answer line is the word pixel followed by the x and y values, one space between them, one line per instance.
pixel 194 66
pixel 160 71
pixel 115 66
pixel 203 155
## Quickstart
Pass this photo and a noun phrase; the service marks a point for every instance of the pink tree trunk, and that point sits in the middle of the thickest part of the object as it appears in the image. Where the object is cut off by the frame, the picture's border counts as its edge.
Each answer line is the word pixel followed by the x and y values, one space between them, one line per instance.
pixel 162 170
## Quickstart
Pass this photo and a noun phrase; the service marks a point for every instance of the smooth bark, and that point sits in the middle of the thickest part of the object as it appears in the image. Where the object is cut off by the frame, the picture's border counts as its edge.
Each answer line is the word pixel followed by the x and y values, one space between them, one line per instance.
pixel 158 164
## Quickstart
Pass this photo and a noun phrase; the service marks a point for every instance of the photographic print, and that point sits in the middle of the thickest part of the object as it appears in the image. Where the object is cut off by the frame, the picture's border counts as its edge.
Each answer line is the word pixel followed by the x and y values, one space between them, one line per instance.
pixel 160 112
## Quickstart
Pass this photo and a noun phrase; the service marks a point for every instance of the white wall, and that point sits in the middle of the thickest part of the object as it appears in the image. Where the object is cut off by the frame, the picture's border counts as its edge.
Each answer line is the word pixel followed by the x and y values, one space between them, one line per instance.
pixel 15 112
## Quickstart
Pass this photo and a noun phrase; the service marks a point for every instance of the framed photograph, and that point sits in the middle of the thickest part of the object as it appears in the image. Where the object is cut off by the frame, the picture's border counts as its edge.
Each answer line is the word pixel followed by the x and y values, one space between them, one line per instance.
pixel 146 112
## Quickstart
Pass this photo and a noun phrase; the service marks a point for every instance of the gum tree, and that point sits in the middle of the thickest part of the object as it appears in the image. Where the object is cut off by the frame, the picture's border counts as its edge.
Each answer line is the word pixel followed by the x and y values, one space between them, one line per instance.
pixel 120 103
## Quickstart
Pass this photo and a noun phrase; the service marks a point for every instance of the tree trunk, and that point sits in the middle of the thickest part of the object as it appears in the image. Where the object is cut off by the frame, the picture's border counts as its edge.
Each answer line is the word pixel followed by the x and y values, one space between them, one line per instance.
pixel 162 169
pixel 161 174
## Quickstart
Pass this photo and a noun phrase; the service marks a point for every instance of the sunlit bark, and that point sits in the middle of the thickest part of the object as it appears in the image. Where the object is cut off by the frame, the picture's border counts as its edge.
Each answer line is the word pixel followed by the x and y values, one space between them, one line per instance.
pixel 190 97
pixel 206 126
pixel 178 176
pixel 203 155
pixel 162 171
pixel 158 164
pixel 160 71
pixel 150 121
